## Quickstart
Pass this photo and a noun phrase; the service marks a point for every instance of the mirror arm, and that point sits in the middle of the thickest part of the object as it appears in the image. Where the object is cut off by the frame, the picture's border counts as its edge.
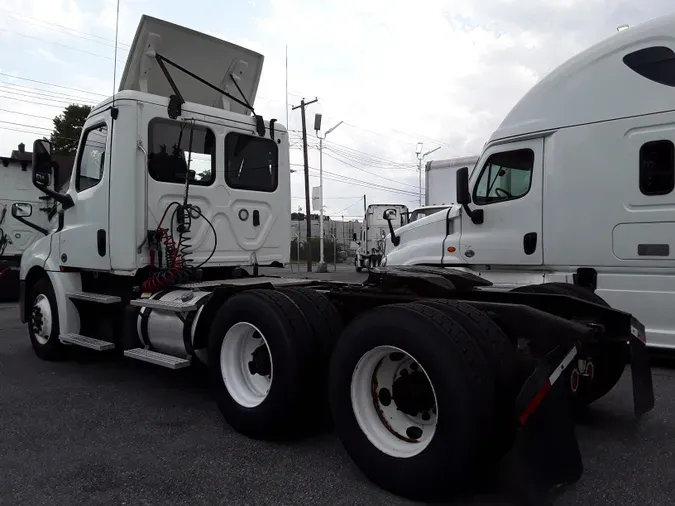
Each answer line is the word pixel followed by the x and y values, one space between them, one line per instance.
pixel 65 200
pixel 31 225
pixel 395 239
pixel 476 215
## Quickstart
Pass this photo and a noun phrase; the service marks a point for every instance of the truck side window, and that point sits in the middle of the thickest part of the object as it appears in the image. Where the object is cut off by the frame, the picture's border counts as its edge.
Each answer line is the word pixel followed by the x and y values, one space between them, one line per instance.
pixel 657 167
pixel 91 159
pixel 251 163
pixel 505 176
pixel 169 152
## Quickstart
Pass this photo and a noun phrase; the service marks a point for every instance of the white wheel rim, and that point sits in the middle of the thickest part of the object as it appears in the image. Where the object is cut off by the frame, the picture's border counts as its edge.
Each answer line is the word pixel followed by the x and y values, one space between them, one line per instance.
pixel 41 319
pixel 391 427
pixel 247 388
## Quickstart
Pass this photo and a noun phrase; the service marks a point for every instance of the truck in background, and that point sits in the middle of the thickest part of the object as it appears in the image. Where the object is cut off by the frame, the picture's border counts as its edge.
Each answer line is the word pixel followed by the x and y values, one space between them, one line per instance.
pixel 439 179
pixel 576 185
pixel 431 376
pixel 16 187
pixel 371 243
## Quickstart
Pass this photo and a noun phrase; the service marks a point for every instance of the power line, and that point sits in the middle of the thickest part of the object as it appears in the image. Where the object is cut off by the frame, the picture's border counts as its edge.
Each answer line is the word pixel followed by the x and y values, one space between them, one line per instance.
pixel 26 114
pixel 366 184
pixel 33 103
pixel 24 125
pixel 371 173
pixel 42 96
pixel 59 44
pixel 33 89
pixel 64 29
pixel 50 84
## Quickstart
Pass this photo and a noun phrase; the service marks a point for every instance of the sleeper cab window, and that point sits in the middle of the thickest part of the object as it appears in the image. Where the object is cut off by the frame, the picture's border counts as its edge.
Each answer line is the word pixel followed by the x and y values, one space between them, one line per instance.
pixel 656 63
pixel 505 176
pixel 170 151
pixel 657 167
pixel 251 163
pixel 91 159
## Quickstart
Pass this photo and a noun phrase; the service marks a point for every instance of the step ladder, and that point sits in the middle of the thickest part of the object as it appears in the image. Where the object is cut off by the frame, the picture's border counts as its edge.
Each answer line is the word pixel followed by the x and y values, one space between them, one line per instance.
pixel 176 306
pixel 153 357
pixel 86 342
pixel 99 298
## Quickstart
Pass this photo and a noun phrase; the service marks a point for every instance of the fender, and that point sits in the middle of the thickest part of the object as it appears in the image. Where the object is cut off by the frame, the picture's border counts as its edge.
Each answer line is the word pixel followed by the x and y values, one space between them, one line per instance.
pixel 38 257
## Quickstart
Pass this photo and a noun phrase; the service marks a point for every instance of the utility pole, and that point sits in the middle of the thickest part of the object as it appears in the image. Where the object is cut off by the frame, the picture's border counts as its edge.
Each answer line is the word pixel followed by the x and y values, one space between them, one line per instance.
pixel 317 127
pixel 308 214
pixel 420 157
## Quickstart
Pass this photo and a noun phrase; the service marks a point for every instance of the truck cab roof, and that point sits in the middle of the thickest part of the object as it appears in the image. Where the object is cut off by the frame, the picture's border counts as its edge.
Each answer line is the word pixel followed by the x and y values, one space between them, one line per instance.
pixel 628 74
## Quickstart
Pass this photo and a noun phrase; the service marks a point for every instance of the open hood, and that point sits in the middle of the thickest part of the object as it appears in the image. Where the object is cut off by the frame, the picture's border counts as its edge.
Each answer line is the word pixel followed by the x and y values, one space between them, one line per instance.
pixel 212 59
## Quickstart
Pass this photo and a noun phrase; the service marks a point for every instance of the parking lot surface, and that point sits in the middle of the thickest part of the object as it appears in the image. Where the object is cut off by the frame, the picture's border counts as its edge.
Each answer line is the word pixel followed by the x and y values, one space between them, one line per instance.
pixel 123 432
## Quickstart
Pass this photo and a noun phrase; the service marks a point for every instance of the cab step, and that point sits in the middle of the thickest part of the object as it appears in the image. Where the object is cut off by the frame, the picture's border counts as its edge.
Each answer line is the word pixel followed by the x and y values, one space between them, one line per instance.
pixel 156 358
pixel 177 306
pixel 86 342
pixel 100 298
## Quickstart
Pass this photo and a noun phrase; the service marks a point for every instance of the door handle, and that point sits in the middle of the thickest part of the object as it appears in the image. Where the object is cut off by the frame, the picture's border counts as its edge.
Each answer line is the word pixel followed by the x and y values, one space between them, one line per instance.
pixel 101 242
pixel 530 243
pixel 256 218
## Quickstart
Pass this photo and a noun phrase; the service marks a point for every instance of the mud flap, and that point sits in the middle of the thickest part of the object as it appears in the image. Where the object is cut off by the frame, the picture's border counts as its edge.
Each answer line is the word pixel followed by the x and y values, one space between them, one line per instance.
pixel 643 387
pixel 545 453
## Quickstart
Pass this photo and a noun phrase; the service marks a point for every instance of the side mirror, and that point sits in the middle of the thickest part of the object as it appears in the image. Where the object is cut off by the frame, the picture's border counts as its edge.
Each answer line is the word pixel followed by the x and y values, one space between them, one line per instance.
pixel 463 195
pixel 42 168
pixel 22 210
pixel 389 214
pixel 42 161
pixel 354 238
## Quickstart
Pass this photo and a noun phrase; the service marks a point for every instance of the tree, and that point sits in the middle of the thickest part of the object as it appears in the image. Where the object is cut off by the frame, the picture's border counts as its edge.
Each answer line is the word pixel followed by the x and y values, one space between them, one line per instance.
pixel 67 129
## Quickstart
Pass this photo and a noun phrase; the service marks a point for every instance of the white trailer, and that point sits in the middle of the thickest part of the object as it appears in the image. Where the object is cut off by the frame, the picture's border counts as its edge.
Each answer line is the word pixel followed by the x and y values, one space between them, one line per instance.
pixel 431 376
pixel 440 177
pixel 577 185
pixel 373 232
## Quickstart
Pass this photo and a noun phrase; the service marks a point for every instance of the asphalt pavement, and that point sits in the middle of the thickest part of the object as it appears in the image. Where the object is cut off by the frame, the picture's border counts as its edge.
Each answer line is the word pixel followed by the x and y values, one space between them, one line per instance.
pixel 127 433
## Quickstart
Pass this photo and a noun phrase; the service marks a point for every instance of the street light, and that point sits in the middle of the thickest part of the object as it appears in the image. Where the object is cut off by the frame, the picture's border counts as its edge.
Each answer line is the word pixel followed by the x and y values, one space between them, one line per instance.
pixel 317 126
pixel 420 157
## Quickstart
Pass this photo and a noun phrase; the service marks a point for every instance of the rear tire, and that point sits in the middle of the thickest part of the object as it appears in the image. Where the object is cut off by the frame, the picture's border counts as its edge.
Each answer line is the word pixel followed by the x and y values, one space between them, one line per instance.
pixel 260 358
pixel 462 387
pixel 43 321
pixel 609 358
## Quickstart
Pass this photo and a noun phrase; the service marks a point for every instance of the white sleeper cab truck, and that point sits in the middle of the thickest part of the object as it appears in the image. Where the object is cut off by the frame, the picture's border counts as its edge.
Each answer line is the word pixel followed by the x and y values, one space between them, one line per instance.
pixel 431 376
pixel 576 186
pixel 373 232
pixel 16 188
pixel 439 179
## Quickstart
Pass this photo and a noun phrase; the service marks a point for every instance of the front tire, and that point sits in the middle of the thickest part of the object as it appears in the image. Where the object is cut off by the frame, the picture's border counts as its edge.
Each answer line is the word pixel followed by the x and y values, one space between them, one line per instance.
pixel 424 435
pixel 43 321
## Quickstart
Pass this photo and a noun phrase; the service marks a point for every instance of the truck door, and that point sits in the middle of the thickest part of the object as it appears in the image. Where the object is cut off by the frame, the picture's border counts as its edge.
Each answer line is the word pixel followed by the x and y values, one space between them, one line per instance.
pixel 507 186
pixel 83 240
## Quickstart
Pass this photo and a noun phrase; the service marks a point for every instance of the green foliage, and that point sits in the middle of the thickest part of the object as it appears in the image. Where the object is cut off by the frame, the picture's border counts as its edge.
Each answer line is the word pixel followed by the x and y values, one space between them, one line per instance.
pixel 68 128
pixel 328 250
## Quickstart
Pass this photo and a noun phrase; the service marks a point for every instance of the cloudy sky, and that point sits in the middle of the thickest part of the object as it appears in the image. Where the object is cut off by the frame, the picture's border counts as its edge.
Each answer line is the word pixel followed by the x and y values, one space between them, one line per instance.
pixel 441 72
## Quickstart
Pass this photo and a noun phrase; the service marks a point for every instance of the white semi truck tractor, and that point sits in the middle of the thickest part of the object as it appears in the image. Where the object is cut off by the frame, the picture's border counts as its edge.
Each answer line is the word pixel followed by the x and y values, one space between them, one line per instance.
pixel 575 187
pixel 431 376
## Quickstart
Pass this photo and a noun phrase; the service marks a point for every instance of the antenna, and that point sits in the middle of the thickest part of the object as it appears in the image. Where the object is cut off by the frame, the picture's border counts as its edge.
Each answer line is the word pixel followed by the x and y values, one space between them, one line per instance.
pixel 117 31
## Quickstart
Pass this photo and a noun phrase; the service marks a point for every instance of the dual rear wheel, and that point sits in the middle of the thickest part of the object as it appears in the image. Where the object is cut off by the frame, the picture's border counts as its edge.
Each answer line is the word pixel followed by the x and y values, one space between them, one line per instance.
pixel 417 391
